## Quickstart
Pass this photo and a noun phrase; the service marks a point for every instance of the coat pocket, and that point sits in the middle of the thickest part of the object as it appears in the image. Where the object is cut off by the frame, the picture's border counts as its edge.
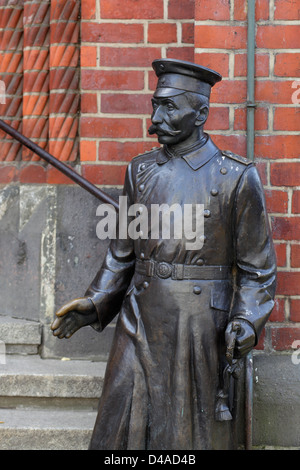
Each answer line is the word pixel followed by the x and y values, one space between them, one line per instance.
pixel 221 296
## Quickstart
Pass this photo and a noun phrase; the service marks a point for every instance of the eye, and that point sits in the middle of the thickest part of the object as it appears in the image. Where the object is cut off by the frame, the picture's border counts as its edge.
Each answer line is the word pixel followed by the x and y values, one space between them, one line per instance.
pixel 170 106
pixel 154 105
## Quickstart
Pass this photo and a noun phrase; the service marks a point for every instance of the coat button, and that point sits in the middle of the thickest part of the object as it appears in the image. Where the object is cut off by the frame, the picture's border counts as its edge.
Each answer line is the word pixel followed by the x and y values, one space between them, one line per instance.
pixel 145 284
pixel 223 171
pixel 141 187
pixel 142 255
pixel 207 213
pixel 143 166
pixel 200 262
pixel 214 192
pixel 197 290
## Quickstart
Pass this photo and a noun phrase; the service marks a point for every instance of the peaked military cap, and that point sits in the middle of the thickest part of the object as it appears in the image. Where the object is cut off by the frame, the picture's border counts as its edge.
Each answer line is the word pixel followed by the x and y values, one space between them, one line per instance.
pixel 178 76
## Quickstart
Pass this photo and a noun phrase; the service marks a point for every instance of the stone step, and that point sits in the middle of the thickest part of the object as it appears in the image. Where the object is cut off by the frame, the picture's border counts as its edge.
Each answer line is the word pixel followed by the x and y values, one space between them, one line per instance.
pixel 18 336
pixel 28 429
pixel 30 380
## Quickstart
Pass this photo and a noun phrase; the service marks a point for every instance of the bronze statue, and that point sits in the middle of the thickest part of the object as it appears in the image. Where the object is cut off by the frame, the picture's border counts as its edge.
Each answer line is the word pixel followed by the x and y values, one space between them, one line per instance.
pixel 179 309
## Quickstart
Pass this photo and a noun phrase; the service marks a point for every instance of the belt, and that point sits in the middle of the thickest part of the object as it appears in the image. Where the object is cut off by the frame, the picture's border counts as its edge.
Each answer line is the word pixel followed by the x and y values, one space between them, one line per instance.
pixel 181 271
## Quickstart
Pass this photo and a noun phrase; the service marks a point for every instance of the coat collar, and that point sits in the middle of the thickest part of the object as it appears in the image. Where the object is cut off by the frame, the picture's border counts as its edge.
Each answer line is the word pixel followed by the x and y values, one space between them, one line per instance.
pixel 195 158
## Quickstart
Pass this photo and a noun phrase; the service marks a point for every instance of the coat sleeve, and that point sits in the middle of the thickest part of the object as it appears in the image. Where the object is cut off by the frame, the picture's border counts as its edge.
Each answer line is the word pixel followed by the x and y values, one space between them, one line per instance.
pixel 112 280
pixel 254 253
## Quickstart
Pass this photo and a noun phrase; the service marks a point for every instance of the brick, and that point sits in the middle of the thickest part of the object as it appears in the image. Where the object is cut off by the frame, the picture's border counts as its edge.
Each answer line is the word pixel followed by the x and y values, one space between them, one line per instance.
pixel 261 65
pixel 10 151
pixel 278 312
pixel 63 127
pixel 88 103
pixel 112 33
pixel 261 167
pixel 295 256
pixel 13 40
pixel 296 202
pixel 295 310
pixel 64 102
pixel 287 64
pixel 277 201
pixel 112 80
pixel 181 53
pixel 36 36
pixel 288 283
pixel 187 35
pixel 12 107
pixel 261 10
pixel 88 56
pixel 104 174
pixel 221 37
pixel 8 173
pixel 126 103
pixel 181 10
pixel 13 84
pixel 128 57
pixel 277 146
pixel 64 56
pixel 88 10
pixel 218 119
pixel 287 10
pixel 219 10
pixel 283 337
pixel 36 82
pixel 36 128
pixel 11 18
pixel 66 78
pixel 36 13
pixel 287 119
pixel 119 9
pixel 11 62
pixel 277 36
pixel 111 127
pixel 64 32
pixel 36 105
pixel 286 228
pixel 67 10
pixel 36 59
pixel 274 91
pixel 261 119
pixel 88 151
pixel 65 150
pixel 285 174
pixel 215 61
pixel 32 174
pixel 55 176
pixel 162 33
pixel 123 151
pixel 235 143
pixel 229 91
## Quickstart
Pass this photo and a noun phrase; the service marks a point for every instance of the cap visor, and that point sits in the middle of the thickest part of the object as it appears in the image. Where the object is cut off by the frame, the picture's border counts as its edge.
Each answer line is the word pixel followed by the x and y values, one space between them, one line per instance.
pixel 165 92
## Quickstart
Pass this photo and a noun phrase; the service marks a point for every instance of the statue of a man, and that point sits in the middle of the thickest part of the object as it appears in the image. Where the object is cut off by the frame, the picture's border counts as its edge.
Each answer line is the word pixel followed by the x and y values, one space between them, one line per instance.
pixel 177 305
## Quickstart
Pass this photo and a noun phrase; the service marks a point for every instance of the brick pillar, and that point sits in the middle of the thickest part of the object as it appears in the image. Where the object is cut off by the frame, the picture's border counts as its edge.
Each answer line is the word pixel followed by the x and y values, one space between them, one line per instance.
pixel 36 74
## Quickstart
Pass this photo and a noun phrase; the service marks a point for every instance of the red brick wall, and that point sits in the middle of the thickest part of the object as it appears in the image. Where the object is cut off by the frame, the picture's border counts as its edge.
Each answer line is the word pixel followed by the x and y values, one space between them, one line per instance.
pixel 39 64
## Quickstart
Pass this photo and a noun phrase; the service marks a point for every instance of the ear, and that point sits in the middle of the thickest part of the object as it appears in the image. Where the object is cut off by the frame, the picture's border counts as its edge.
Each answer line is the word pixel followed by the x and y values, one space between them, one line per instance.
pixel 202 115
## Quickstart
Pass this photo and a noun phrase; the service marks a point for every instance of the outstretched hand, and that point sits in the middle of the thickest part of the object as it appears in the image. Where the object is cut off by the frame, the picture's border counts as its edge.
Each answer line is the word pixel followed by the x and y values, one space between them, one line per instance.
pixel 72 316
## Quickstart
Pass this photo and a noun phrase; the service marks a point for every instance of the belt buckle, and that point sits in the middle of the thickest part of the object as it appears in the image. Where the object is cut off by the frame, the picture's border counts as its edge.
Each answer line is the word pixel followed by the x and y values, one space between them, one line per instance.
pixel 164 270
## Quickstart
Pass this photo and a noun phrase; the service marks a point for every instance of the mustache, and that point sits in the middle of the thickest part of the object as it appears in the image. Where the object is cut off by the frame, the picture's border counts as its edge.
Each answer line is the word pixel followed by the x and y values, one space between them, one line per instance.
pixel 153 129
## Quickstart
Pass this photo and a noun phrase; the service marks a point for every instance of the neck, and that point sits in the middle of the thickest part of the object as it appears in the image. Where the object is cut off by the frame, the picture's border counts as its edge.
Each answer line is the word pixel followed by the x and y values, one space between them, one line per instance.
pixel 189 144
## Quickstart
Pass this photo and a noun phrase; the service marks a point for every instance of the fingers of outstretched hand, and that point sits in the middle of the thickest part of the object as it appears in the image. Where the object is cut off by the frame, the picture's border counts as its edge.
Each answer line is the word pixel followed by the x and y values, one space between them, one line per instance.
pixel 64 327
pixel 73 305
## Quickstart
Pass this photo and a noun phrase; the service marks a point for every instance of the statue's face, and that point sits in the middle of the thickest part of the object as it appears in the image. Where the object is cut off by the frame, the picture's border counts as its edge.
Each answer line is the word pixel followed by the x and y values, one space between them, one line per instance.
pixel 173 119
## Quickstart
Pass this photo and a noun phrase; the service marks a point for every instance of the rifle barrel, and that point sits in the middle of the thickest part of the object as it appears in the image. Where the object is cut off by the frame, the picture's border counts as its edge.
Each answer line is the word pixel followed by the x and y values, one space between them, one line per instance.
pixel 65 169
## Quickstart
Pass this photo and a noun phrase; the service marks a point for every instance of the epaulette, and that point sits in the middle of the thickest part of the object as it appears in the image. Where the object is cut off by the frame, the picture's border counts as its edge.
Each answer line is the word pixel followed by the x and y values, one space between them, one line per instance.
pixel 237 158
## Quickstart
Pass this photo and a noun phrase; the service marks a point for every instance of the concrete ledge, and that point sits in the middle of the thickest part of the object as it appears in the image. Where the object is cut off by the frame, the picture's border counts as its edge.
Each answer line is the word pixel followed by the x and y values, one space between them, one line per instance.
pixel 45 430
pixel 20 336
pixel 276 403
pixel 31 376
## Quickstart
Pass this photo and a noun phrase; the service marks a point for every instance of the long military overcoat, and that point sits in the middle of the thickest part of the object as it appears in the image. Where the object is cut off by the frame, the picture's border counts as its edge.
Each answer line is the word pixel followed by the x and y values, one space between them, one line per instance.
pixel 167 358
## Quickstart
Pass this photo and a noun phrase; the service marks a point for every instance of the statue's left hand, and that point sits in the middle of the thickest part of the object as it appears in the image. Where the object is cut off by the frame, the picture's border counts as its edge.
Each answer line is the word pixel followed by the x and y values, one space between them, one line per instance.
pixel 245 337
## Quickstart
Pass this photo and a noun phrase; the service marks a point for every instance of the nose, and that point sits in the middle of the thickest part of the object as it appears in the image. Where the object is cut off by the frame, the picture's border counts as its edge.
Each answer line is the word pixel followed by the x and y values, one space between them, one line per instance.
pixel 156 117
